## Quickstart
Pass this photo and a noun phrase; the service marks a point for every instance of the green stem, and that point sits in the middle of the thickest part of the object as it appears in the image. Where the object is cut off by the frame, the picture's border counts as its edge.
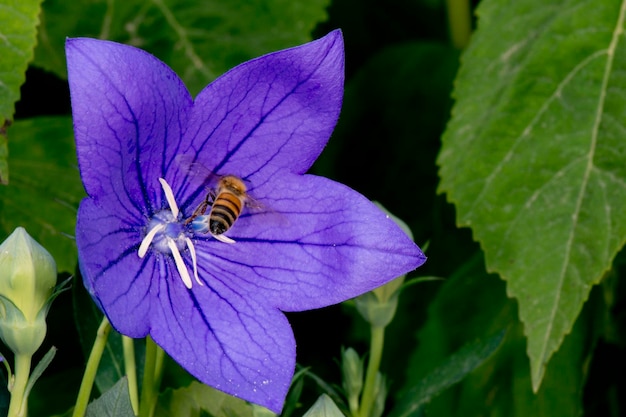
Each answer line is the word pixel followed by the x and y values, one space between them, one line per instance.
pixel 459 22
pixel 158 375
pixel 151 378
pixel 373 364
pixel 92 368
pixel 131 372
pixel 18 405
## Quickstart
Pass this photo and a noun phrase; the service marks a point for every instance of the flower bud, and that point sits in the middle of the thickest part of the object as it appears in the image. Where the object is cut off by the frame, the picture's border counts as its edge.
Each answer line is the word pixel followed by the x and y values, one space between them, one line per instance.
pixel 376 312
pixel 352 375
pixel 27 279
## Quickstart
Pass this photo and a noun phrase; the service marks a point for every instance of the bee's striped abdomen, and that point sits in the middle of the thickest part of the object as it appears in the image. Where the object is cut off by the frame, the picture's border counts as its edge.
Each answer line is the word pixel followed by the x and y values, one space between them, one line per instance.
pixel 224 212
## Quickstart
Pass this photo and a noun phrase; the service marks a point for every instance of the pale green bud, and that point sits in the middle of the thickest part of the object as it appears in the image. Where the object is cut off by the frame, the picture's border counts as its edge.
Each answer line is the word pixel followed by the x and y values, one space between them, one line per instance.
pixel 377 313
pixel 324 407
pixel 352 375
pixel 27 279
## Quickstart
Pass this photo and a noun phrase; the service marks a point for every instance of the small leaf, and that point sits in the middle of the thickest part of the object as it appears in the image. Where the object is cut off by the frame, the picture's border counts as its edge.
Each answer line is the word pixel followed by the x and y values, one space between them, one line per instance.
pixel 533 157
pixel 39 370
pixel 198 398
pixel 323 407
pixel 199 40
pixel 45 186
pixel 114 403
pixel 453 370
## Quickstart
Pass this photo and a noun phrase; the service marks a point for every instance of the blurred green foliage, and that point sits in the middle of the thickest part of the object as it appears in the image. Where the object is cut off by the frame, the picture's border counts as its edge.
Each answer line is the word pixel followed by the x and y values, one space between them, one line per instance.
pixel 532 159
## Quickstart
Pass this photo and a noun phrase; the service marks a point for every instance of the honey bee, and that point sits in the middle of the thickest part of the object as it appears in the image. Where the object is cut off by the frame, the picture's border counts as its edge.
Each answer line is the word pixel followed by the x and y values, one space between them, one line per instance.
pixel 226 202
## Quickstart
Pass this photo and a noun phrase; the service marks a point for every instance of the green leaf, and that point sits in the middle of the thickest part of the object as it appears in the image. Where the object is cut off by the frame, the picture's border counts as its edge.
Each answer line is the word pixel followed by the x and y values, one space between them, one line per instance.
pixel 198 399
pixel 502 385
pixel 18 26
pixel 114 403
pixel 199 40
pixel 18 30
pixel 324 407
pixel 454 369
pixel 39 369
pixel 4 153
pixel 533 157
pixel 45 186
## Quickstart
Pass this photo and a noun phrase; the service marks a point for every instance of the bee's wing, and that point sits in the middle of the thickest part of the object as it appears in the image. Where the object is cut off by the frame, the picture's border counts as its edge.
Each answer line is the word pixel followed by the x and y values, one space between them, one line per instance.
pixel 265 213
pixel 195 170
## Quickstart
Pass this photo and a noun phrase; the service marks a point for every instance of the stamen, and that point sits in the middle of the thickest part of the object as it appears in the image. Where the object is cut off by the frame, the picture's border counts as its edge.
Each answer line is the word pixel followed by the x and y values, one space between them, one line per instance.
pixel 180 264
pixel 223 238
pixel 192 251
pixel 169 196
pixel 145 243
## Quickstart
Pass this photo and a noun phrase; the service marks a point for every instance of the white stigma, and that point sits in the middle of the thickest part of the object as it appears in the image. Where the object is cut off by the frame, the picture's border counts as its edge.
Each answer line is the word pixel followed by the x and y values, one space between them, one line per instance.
pixel 180 264
pixel 192 252
pixel 145 243
pixel 169 196
pixel 223 238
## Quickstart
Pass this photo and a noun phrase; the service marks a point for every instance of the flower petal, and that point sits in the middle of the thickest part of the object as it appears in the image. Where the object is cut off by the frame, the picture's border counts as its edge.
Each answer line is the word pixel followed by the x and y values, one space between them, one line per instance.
pixel 270 114
pixel 113 273
pixel 129 111
pixel 227 340
pixel 318 243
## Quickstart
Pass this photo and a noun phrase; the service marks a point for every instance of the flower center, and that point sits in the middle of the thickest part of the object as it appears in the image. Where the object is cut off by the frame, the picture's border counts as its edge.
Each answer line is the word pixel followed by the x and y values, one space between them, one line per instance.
pixel 166 234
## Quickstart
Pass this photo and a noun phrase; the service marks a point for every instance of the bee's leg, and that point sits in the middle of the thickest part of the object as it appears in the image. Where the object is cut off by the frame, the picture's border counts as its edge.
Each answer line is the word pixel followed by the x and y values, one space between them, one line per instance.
pixel 202 208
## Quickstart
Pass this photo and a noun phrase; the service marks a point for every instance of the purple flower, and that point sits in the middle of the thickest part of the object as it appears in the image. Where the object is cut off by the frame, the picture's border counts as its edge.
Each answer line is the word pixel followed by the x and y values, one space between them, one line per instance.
pixel 153 251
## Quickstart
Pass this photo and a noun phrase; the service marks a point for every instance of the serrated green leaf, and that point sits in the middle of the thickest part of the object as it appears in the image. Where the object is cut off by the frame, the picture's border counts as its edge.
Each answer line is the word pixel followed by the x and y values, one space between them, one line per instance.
pixel 18 30
pixel 533 157
pixel 4 154
pixel 324 407
pixel 114 403
pixel 198 398
pixel 199 40
pixel 45 186
pixel 18 24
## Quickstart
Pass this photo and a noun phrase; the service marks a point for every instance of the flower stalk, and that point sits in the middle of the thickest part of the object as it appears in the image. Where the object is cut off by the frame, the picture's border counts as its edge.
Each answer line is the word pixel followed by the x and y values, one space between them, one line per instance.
pixel 368 399
pixel 130 366
pixel 18 405
pixel 92 368
pixel 459 22
pixel 153 371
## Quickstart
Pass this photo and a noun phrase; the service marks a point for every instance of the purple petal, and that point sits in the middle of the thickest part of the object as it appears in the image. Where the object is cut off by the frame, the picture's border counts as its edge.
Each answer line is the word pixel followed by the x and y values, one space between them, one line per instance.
pixel 129 111
pixel 270 114
pixel 318 243
pixel 112 271
pixel 227 340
